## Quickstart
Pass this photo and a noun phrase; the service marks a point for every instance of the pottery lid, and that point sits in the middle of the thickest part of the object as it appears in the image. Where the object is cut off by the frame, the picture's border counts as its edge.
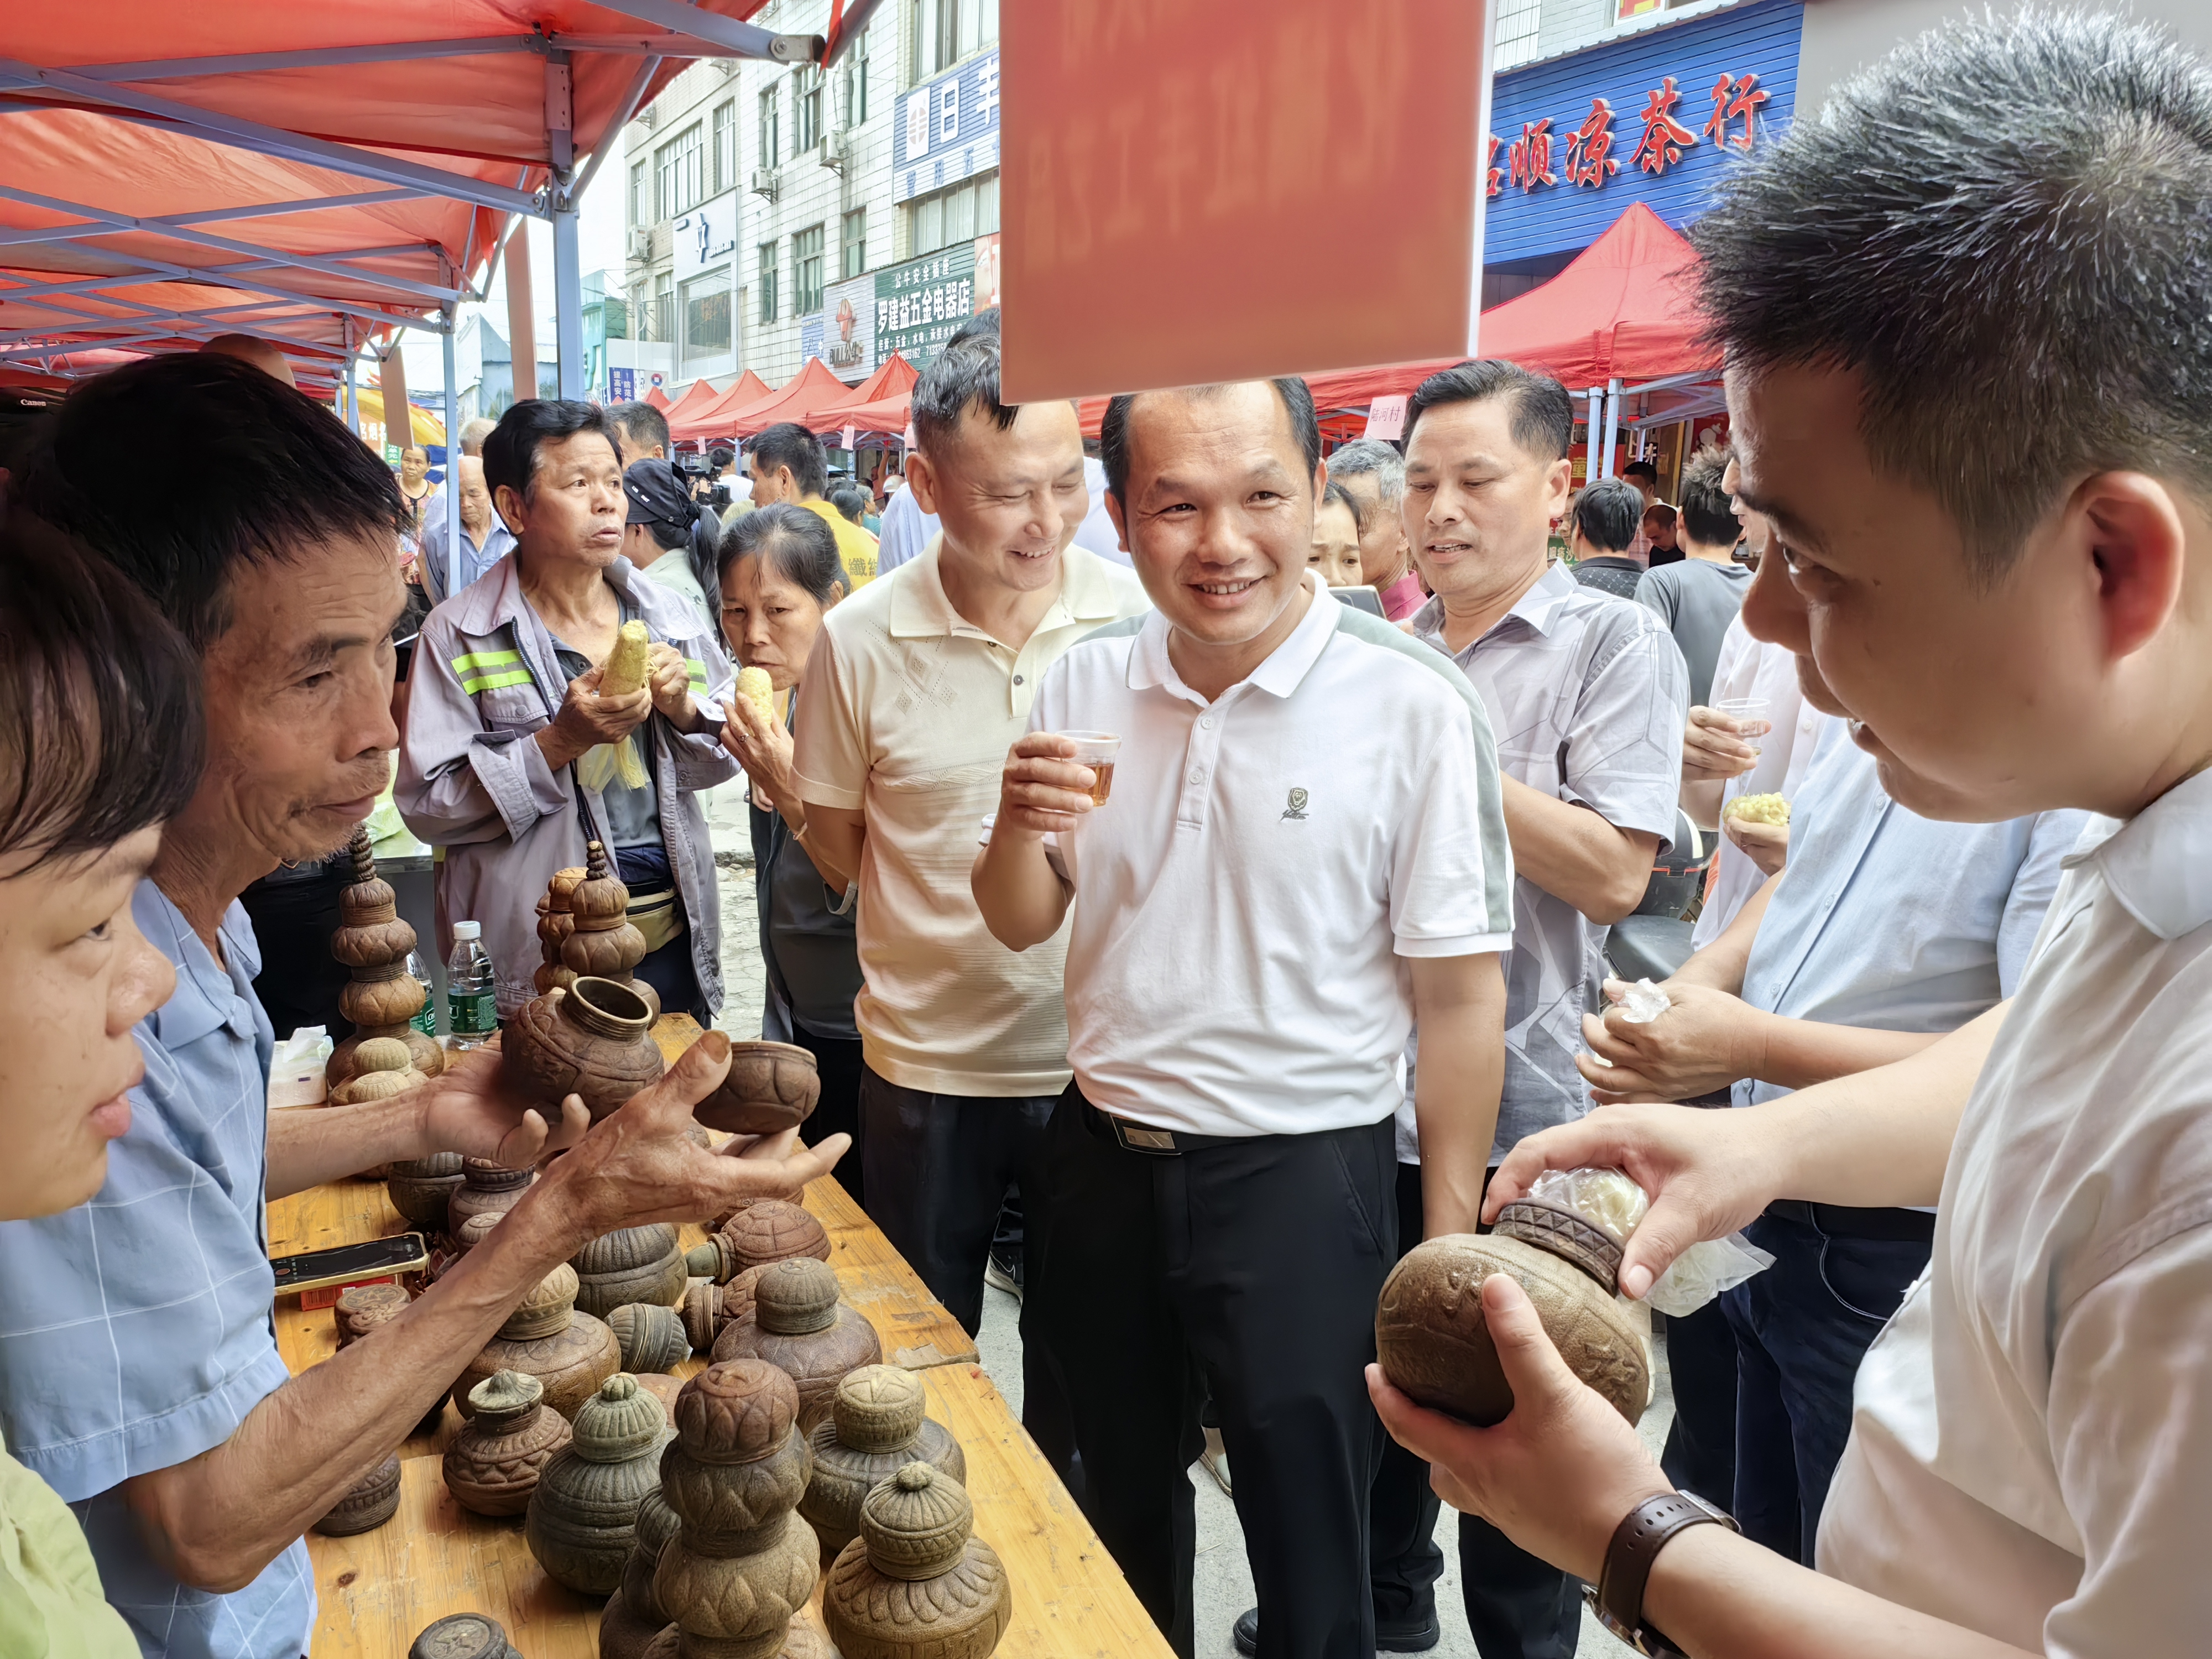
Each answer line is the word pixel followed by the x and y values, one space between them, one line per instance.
pixel 546 1309
pixel 477 1227
pixel 622 1420
pixel 505 1398
pixel 370 1305
pixel 461 1636
pixel 795 1297
pixel 625 1248
pixel 599 900
pixel 436 1167
pixel 772 1229
pixel 878 1408
pixel 381 1054
pixel 917 1523
pixel 1563 1233
pixel 483 1173
pixel 736 1412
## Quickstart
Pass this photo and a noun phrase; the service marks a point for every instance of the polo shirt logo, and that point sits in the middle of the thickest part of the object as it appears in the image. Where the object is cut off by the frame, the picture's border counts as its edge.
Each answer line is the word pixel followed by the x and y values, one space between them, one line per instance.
pixel 1298 806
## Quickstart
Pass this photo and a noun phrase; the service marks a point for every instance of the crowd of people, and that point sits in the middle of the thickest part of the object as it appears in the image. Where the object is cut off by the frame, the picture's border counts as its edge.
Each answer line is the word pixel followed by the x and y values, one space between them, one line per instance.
pixel 1191 1047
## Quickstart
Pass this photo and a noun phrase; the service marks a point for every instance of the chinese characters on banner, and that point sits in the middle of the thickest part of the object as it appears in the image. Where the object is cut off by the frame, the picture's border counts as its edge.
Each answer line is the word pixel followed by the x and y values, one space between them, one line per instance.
pixel 922 304
pixel 1660 144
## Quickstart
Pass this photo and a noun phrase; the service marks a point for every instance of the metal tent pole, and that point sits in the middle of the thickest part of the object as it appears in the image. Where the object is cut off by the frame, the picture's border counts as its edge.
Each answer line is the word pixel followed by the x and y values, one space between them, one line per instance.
pixel 1612 419
pixel 452 471
pixel 353 394
pixel 568 277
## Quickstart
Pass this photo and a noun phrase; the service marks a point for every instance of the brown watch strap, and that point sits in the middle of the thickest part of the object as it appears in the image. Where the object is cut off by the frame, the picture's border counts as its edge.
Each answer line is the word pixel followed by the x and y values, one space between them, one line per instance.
pixel 1635 1544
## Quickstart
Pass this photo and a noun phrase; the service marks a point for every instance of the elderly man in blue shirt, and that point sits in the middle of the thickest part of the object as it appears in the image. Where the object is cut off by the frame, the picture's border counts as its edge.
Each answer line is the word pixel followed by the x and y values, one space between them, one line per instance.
pixel 139 1372
pixel 1885 930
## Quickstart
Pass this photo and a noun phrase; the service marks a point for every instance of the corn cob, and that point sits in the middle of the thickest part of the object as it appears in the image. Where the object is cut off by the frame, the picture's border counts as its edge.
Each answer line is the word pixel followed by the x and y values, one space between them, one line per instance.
pixel 755 686
pixel 625 669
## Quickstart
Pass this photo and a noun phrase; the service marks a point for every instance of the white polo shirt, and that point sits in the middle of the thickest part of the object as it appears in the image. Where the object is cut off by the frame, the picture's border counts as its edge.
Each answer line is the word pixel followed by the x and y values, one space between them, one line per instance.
pixel 2032 1433
pixel 1244 897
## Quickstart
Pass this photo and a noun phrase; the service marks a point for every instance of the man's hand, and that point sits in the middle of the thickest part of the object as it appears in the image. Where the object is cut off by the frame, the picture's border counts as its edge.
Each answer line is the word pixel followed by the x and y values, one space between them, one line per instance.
pixel 587 719
pixel 669 684
pixel 467 1109
pixel 1705 1040
pixel 1766 845
pixel 1043 790
pixel 1563 1470
pixel 1713 746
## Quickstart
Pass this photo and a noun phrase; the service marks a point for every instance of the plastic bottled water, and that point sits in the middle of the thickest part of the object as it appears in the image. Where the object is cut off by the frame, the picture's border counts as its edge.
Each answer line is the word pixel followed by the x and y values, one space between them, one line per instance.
pixel 471 1007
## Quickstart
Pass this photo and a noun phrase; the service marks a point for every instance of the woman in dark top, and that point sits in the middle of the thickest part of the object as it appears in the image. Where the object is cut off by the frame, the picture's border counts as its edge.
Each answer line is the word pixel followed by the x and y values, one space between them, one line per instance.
pixel 779 573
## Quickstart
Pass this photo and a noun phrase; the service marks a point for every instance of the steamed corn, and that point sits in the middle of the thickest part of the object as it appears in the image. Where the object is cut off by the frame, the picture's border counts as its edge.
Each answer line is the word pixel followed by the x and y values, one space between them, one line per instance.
pixel 1759 809
pixel 756 687
pixel 627 663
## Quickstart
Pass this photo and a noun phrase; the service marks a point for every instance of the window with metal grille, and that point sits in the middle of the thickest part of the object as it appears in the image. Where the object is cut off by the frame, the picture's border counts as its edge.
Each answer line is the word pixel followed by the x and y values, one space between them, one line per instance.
pixel 766 254
pixel 639 213
pixel 680 170
pixel 853 244
pixel 806 270
pixel 805 109
pixel 725 147
pixel 771 125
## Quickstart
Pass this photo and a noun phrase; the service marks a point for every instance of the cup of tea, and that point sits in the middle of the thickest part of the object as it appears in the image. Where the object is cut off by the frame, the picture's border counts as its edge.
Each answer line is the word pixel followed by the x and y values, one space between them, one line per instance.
pixel 1097 751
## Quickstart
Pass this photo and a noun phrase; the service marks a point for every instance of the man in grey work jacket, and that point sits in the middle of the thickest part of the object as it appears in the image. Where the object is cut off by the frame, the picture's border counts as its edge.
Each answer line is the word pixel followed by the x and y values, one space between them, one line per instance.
pixel 504 712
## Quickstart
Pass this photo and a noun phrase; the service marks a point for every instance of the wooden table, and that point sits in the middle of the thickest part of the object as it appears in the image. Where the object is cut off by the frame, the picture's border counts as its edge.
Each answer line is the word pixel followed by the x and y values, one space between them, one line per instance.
pixel 434 1557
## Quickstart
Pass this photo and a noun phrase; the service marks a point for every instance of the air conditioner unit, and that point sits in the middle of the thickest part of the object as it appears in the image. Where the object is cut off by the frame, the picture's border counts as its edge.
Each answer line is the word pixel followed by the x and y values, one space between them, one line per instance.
pixel 641 241
pixel 765 183
pixel 837 151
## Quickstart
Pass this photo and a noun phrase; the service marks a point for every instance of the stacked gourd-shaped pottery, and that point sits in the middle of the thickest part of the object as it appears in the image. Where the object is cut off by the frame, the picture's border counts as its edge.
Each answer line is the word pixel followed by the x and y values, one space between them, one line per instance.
pixel 368 1504
pixel 771 1087
pixel 382 1067
pixel 493 1464
pixel 571 1353
pixel 382 996
pixel 583 1515
pixel 1433 1342
pixel 876 1427
pixel 917 1583
pixel 633 1264
pixel 594 1040
pixel 799 1324
pixel 603 942
pixel 463 1636
pixel 422 1188
pixel 633 1615
pixel 744 1562
pixel 486 1188
pixel 555 924
pixel 651 1337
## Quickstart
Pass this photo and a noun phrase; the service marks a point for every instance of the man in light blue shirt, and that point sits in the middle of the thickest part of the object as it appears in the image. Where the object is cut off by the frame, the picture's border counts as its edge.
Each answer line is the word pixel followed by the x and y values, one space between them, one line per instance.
pixel 484 540
pixel 1885 930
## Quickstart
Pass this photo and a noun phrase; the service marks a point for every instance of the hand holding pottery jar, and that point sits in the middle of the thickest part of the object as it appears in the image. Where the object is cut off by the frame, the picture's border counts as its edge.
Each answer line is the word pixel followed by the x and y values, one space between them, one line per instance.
pixel 472 1108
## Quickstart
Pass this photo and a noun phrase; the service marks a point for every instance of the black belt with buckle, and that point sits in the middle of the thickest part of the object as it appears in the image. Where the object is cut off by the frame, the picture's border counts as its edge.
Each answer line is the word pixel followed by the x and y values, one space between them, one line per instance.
pixel 1142 1138
pixel 1843 1221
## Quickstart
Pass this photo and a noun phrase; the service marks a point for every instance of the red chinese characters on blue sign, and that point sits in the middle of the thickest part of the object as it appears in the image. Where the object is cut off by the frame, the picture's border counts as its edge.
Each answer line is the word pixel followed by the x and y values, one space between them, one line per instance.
pixel 1589 160
pixel 1530 158
pixel 1735 96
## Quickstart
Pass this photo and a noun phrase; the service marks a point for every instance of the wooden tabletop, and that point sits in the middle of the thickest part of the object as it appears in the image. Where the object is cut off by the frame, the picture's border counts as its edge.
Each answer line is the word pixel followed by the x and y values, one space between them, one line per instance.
pixel 434 1558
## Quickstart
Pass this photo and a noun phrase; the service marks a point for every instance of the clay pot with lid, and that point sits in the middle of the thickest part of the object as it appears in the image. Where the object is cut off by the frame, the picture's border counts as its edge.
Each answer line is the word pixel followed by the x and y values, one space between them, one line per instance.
pixel 602 941
pixel 581 1519
pixel 555 924
pixel 592 1040
pixel 743 1562
pixel 1434 1344
pixel 763 1232
pixel 633 1264
pixel 361 1307
pixel 486 1188
pixel 877 1426
pixel 493 1463
pixel 633 1614
pixel 462 1636
pixel 381 997
pixel 382 1067
pixel 917 1583
pixel 651 1337
pixel 571 1353
pixel 799 1324
pixel 422 1188
pixel 771 1087
pixel 371 1501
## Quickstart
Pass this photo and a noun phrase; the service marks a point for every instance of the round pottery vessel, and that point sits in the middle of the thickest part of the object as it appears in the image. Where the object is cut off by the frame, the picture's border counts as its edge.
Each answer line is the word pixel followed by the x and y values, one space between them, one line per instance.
pixel 651 1337
pixel 374 1500
pixel 635 1264
pixel 917 1583
pixel 361 1307
pixel 423 1052
pixel 876 1428
pixel 570 1354
pixel 771 1087
pixel 1432 1342
pixel 767 1231
pixel 463 1636
pixel 633 1616
pixel 797 1324
pixel 591 1040
pixel 485 1189
pixel 493 1463
pixel 421 1190
pixel 582 1518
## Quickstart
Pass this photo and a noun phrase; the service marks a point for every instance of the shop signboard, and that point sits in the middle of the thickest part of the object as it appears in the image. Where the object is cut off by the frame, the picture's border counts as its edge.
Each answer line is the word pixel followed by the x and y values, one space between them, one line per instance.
pixel 706 236
pixel 842 334
pixel 922 304
pixel 947 130
pixel 622 385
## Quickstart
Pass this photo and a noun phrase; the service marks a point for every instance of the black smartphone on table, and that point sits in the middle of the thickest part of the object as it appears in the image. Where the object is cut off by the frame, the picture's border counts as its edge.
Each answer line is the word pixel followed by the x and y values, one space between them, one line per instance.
pixel 348 1264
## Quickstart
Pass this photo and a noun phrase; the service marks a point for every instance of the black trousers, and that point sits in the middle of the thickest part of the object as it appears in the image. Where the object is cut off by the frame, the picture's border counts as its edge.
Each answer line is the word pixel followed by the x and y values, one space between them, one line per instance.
pixel 293 912
pixel 837 1063
pixel 1250 1270
pixel 1701 1363
pixel 1518 1606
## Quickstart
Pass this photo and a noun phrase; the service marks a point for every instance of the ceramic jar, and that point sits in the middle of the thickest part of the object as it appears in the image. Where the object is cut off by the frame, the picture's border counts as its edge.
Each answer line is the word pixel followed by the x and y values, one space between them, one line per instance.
pixel 581 1518
pixel 633 1614
pixel 372 1500
pixel 798 1323
pixel 570 1354
pixel 917 1583
pixel 381 1068
pixel 555 924
pixel 708 1307
pixel 1433 1343
pixel 485 1189
pixel 769 1230
pixel 422 1188
pixel 462 1636
pixel 651 1337
pixel 361 1307
pixel 591 1040
pixel 635 1264
pixel 381 997
pixel 602 941
pixel 744 1562
pixel 771 1087
pixel 876 1428
pixel 493 1463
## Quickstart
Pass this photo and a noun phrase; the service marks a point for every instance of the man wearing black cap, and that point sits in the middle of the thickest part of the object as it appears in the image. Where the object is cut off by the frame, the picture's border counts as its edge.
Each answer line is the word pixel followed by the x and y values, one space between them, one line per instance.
pixel 663 526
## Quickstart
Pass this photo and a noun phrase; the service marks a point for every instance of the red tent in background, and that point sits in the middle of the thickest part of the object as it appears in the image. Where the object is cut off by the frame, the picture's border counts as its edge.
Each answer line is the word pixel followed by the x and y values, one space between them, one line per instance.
pixel 697 396
pixel 659 399
pixel 889 415
pixel 700 422
pixel 804 392
pixel 892 383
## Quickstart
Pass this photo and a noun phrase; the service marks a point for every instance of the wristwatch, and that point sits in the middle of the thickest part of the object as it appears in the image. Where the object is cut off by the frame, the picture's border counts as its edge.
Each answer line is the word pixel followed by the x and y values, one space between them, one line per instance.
pixel 1617 1598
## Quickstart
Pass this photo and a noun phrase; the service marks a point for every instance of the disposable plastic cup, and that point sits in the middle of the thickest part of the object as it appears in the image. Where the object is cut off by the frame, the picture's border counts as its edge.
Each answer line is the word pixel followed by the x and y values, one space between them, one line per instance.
pixel 1097 751
pixel 1749 714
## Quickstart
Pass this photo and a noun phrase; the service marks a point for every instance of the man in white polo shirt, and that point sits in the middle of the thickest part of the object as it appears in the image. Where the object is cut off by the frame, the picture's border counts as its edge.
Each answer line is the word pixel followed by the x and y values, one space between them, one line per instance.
pixel 1303 846
pixel 917 686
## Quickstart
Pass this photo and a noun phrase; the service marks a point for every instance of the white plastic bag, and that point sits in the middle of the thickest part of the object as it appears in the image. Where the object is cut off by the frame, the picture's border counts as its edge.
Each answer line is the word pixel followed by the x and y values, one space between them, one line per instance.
pixel 1642 1003
pixel 1616 1206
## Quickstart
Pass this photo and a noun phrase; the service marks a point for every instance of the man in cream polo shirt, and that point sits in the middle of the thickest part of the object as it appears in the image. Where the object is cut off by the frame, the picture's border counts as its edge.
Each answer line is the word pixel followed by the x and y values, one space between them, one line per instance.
pixel 1304 845
pixel 918 685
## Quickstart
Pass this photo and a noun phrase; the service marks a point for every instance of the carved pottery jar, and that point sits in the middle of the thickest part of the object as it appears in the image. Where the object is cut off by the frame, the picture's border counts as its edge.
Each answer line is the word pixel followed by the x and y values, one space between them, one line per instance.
pixel 708 1308
pixel 374 1500
pixel 917 1583
pixel 381 1068
pixel 494 1460
pixel 381 997
pixel 581 1518
pixel 485 1189
pixel 422 1188
pixel 876 1428
pixel 633 1614
pixel 555 924
pixel 771 1087
pixel 361 1307
pixel 590 1040
pixel 798 1323
pixel 635 1264
pixel 571 1353
pixel 651 1337
pixel 602 941
pixel 769 1230
pixel 463 1636
pixel 744 1562
pixel 1433 1343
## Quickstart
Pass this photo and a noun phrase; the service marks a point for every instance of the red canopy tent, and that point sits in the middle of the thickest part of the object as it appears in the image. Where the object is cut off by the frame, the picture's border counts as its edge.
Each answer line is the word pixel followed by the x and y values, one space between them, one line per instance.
pixel 892 384
pixel 797 400
pixel 699 421
pixel 699 395
pixel 659 399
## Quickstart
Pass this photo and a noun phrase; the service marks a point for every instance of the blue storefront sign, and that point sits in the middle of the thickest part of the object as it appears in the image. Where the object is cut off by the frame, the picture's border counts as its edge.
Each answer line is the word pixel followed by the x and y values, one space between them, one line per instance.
pixel 622 385
pixel 947 130
pixel 1653 118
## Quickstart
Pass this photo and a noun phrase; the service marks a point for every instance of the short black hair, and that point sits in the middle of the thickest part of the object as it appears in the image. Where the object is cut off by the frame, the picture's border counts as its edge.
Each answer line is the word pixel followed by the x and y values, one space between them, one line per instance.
pixel 269 474
pixel 849 501
pixel 789 443
pixel 2003 227
pixel 1641 469
pixel 100 728
pixel 1608 514
pixel 1706 515
pixel 1336 494
pixel 1114 430
pixel 645 424
pixel 1543 414
pixel 799 543
pixel 963 375
pixel 510 454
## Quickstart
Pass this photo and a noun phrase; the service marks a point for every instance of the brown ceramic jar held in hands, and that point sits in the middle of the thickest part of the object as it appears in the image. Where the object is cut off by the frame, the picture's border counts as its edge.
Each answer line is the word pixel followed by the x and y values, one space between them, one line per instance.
pixel 633 1264
pixel 382 996
pixel 582 1517
pixel 493 1464
pixel 651 1337
pixel 760 1233
pixel 371 1501
pixel 570 1354
pixel 917 1583
pixel 591 1039
pixel 771 1087
pixel 876 1427
pixel 633 1615
pixel 1432 1340
pixel 799 1324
